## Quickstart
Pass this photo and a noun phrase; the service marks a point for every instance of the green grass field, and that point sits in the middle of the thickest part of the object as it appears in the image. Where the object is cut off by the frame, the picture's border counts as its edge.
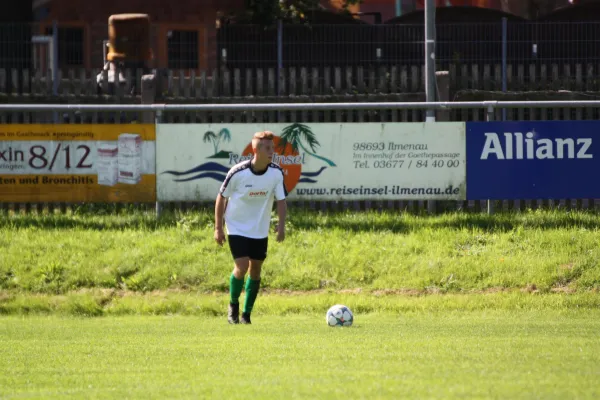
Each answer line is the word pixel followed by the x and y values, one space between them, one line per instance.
pixel 516 355
pixel 100 304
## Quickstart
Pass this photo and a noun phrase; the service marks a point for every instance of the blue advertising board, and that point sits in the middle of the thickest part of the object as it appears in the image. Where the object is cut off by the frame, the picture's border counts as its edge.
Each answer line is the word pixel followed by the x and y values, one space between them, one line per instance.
pixel 533 160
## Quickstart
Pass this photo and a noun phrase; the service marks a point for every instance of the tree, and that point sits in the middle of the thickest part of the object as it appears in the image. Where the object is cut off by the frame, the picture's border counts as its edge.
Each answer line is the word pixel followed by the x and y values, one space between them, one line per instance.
pixel 267 12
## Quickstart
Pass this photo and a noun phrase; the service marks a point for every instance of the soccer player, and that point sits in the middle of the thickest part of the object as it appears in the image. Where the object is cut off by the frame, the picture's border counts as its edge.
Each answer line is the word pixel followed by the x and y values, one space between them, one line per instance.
pixel 245 202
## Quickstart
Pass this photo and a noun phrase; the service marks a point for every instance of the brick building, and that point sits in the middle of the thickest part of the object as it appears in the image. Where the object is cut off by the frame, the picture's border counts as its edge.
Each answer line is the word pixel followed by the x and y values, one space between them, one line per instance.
pixel 183 34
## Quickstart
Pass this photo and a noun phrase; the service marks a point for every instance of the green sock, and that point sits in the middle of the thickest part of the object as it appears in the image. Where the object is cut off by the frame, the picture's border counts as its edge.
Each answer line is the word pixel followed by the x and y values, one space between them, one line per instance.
pixel 251 293
pixel 235 289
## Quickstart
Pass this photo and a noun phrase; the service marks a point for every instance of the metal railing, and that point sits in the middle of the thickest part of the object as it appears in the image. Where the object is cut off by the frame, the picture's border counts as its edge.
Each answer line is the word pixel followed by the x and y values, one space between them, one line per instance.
pixel 490 108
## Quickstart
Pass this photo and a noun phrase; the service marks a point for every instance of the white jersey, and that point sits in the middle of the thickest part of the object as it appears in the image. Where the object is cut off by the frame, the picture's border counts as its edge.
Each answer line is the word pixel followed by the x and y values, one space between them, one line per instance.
pixel 250 198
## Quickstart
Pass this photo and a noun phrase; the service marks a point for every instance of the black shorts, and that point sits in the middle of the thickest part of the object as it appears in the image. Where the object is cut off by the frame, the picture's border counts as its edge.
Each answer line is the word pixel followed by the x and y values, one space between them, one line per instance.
pixel 242 246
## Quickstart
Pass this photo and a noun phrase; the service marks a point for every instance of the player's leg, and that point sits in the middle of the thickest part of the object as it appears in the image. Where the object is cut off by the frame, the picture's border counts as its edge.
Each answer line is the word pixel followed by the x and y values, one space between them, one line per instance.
pixel 252 287
pixel 239 251
pixel 236 284
pixel 257 258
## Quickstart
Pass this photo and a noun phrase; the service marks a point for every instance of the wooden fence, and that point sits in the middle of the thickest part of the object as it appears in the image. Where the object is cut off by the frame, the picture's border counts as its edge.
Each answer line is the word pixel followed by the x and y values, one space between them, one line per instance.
pixel 334 84
pixel 188 85
pixel 329 84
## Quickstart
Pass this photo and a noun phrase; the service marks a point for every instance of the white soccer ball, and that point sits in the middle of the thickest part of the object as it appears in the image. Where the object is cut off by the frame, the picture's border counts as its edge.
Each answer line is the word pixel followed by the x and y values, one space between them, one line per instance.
pixel 339 315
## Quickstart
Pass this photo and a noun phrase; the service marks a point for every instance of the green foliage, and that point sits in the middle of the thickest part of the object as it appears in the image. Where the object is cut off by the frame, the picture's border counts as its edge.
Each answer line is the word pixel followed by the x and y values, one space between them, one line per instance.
pixel 268 12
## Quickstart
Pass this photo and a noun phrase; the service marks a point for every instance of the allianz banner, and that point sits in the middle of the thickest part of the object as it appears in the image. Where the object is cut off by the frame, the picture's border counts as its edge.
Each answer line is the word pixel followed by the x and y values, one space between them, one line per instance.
pixel 321 161
pixel 532 160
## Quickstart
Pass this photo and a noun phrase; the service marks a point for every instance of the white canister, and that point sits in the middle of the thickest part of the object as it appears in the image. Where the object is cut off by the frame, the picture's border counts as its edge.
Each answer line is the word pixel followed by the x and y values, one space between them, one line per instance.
pixel 130 158
pixel 107 164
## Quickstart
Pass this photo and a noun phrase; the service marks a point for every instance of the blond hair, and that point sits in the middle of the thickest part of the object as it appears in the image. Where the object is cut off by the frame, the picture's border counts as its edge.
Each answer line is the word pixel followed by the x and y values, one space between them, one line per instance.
pixel 259 136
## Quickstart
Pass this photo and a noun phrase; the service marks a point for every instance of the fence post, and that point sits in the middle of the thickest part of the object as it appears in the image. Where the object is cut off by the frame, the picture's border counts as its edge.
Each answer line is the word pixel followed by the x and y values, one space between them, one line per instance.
pixel 443 84
pixel 157 121
pixel 279 61
pixel 430 57
pixel 490 117
pixel 430 77
pixel 148 88
pixel 504 61
pixel 442 79
pixel 55 73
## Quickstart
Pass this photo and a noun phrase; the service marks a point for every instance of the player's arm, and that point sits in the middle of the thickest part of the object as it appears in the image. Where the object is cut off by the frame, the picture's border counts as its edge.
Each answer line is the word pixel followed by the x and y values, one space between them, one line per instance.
pixel 281 215
pixel 219 211
pixel 281 195
pixel 220 204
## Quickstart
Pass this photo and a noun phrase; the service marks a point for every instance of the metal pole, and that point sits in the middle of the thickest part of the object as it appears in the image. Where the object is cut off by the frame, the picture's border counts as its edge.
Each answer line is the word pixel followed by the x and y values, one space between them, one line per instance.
pixel 157 121
pixel 430 57
pixel 55 64
pixel 490 117
pixel 430 83
pixel 504 56
pixel 279 60
pixel 212 107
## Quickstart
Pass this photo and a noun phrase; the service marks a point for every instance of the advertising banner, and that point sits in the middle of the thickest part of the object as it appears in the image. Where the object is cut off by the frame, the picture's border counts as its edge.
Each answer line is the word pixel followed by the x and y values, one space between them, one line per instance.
pixel 77 163
pixel 321 161
pixel 532 160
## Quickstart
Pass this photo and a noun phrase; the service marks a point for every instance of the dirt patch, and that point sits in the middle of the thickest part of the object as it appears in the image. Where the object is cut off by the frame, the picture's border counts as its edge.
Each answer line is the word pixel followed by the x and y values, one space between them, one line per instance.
pixel 287 292
pixel 530 288
pixel 351 291
pixel 5 296
pixel 563 289
pixel 567 267
pixel 104 292
pixel 397 292
pixel 110 293
pixel 493 290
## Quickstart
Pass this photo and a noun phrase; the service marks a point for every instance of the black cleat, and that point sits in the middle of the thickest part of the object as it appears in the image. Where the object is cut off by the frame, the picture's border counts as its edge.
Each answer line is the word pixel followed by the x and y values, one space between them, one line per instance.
pixel 233 316
pixel 246 319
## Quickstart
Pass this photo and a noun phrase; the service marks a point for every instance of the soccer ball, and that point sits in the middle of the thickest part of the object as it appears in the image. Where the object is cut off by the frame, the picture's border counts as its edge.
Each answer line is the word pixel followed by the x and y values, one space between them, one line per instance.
pixel 339 315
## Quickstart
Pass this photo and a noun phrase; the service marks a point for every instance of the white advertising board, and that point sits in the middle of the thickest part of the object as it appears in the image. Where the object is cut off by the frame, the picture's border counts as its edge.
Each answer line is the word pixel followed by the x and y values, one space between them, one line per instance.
pixel 321 161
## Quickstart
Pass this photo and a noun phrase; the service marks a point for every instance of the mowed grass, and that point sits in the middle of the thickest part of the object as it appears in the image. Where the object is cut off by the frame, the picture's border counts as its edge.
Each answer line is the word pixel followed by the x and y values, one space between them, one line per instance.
pixel 99 304
pixel 445 355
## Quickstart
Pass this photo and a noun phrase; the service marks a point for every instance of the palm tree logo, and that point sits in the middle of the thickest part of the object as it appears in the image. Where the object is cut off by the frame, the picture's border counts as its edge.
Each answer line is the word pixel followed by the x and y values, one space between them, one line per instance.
pixel 294 134
pixel 224 135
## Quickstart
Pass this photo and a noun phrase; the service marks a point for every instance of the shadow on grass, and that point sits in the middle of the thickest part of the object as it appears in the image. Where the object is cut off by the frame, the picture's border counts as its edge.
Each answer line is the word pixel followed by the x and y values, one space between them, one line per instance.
pixel 134 221
pixel 403 223
pixel 351 221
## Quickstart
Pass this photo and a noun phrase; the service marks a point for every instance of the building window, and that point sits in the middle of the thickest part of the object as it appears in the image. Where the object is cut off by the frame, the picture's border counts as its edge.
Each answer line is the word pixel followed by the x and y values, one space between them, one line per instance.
pixel 182 48
pixel 70 46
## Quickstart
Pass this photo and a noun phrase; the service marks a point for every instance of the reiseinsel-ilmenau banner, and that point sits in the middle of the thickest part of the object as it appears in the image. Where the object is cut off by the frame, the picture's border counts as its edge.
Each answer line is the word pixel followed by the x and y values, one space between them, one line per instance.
pixel 321 161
